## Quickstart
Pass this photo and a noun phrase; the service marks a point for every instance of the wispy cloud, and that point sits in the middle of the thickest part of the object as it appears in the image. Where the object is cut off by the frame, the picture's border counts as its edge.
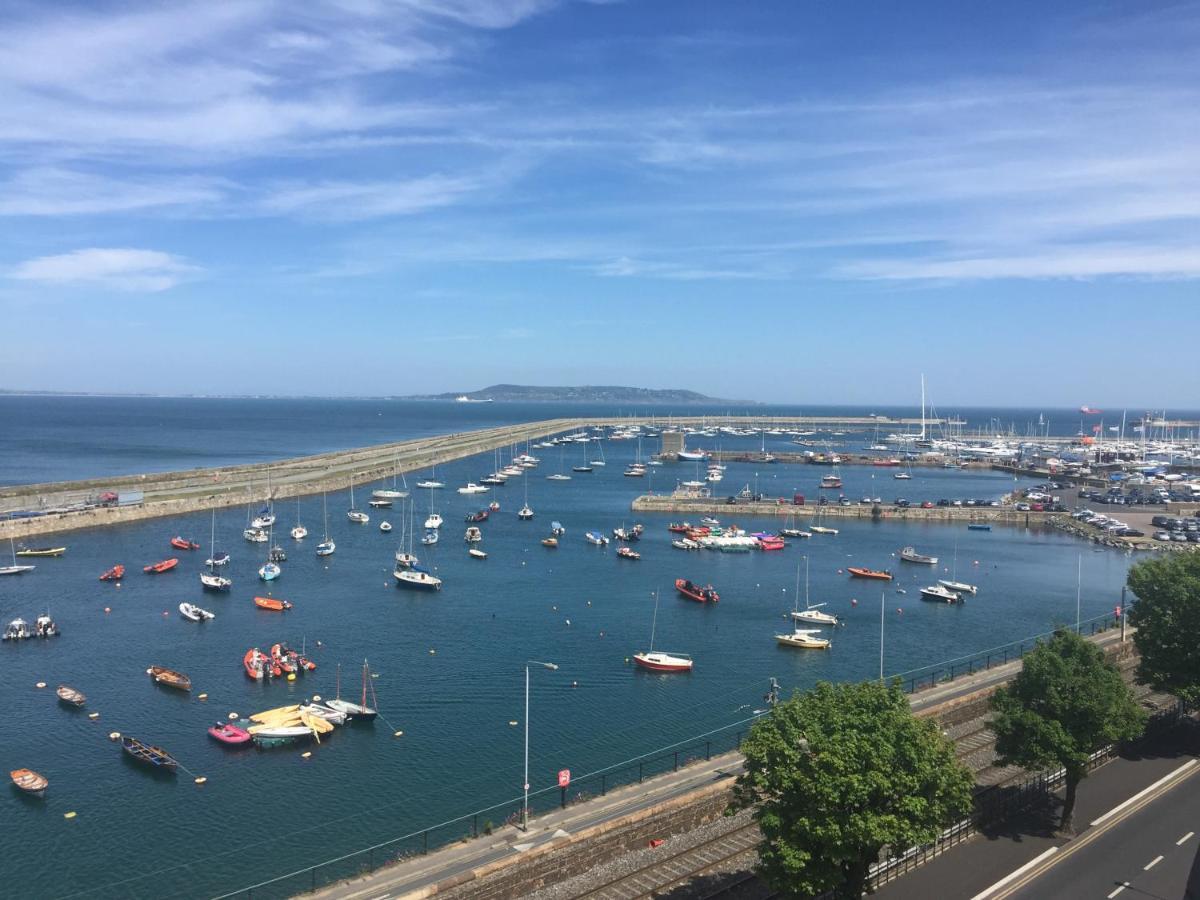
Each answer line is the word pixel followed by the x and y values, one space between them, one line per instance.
pixel 122 269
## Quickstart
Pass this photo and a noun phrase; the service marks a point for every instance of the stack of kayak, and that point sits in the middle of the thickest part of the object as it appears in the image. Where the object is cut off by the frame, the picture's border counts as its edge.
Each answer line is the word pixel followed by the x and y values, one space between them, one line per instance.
pixel 279 662
pixel 286 724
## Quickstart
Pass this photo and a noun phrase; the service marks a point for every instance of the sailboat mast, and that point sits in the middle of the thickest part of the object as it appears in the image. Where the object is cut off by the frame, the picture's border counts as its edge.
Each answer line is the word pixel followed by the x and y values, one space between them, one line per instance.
pixel 922 406
pixel 654 621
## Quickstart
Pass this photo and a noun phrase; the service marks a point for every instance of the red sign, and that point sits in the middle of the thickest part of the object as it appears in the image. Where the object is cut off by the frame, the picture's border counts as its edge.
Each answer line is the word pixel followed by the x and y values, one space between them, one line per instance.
pixel 564 778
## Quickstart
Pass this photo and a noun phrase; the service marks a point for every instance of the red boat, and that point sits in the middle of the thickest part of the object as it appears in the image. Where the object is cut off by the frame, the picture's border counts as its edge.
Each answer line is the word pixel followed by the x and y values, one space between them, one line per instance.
pixel 183 544
pixel 165 565
pixel 229 734
pixel 272 603
pixel 704 594
pixel 887 463
pixel 771 542
pixel 629 553
pixel 481 516
pixel 259 666
pixel 858 572
pixel 116 573
pixel 679 527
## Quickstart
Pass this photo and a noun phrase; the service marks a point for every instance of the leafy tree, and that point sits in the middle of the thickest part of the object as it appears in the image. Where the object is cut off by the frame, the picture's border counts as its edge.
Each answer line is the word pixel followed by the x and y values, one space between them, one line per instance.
pixel 839 773
pixel 1066 703
pixel 1167 619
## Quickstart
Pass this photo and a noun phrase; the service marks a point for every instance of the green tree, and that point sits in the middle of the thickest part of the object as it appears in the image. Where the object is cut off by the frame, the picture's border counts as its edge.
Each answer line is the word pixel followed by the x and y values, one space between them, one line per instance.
pixel 839 773
pixel 1167 619
pixel 1066 703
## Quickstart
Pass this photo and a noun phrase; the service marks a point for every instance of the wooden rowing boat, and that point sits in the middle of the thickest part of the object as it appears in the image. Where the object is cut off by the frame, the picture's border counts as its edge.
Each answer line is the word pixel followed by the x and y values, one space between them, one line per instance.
pixel 148 754
pixel 68 694
pixel 29 781
pixel 170 678
pixel 858 572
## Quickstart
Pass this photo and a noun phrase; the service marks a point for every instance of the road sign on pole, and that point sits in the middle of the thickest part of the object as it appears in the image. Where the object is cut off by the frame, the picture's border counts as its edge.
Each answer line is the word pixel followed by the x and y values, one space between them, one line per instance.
pixel 564 778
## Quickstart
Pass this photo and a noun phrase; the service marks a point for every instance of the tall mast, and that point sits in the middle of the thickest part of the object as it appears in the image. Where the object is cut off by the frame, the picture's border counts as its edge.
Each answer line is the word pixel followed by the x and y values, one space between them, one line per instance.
pixel 922 406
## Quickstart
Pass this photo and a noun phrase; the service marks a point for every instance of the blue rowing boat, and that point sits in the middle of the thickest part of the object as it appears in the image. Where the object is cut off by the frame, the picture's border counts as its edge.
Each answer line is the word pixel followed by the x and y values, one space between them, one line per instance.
pixel 978 526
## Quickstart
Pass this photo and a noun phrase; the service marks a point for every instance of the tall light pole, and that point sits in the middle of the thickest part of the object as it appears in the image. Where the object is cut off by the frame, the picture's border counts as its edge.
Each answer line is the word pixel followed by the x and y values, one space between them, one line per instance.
pixel 525 805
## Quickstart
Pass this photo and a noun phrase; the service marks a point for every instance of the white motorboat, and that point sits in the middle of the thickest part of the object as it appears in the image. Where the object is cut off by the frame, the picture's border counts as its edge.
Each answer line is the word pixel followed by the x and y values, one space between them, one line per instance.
pixel 685 544
pixel 379 504
pixel 385 527
pixel 477 553
pixel 269 571
pixel 939 594
pixel 473 535
pixel 430 485
pixel 264 519
pixel 595 537
pixel 299 533
pixel 558 476
pixel 256 535
pixel 417 578
pixel 958 587
pixel 804 638
pixel 909 554
pixel 434 522
pixel 472 488
pixel 195 613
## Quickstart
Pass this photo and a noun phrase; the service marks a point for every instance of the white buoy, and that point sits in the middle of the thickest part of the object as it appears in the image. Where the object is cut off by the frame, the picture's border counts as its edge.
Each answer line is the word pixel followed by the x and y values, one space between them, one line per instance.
pixel 40 684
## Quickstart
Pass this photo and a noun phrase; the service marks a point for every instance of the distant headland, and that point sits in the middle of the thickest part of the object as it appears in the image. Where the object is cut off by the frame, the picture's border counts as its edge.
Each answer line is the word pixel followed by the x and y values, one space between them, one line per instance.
pixel 588 393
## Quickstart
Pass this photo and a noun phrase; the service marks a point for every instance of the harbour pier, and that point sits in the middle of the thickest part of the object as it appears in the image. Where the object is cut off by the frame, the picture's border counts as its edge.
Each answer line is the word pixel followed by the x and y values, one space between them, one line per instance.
pixel 63 506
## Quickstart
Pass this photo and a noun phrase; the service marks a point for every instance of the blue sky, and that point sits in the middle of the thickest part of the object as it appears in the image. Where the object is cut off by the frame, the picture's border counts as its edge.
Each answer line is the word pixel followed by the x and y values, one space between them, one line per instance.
pixel 787 201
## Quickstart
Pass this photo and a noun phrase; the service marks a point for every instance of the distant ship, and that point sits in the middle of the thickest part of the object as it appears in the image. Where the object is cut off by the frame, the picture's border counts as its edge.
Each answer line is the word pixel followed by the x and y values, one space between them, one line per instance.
pixel 1088 411
pixel 463 398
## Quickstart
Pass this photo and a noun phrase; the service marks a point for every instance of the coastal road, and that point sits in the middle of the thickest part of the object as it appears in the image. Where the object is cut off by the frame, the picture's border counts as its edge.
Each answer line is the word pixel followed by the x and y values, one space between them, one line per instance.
pixel 1128 813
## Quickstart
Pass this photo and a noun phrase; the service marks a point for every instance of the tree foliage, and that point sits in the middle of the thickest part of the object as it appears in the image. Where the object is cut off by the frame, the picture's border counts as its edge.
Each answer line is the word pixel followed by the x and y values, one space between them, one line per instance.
pixel 1066 703
pixel 840 772
pixel 1167 619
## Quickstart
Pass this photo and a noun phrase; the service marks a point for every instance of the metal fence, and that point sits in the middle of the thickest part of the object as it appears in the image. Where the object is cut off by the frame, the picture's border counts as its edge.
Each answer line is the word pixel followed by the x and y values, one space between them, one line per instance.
pixel 997 804
pixel 599 783
pixel 484 821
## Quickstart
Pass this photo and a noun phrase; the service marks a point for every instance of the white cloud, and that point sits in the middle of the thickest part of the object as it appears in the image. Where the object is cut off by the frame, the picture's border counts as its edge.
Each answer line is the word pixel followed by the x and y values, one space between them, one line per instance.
pixel 124 269
pixel 349 201
pixel 50 191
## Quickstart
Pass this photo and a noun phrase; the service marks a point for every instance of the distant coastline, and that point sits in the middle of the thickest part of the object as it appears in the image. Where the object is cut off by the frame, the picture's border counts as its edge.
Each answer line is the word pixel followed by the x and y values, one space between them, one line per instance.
pixel 525 393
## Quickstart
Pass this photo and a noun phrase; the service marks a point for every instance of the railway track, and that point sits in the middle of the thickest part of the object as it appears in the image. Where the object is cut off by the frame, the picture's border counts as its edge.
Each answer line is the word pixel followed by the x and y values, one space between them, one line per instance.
pixel 662 876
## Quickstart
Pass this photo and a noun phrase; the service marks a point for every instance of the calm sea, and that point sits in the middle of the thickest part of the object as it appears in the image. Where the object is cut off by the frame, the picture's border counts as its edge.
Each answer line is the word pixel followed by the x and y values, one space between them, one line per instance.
pixel 54 438
pixel 449 665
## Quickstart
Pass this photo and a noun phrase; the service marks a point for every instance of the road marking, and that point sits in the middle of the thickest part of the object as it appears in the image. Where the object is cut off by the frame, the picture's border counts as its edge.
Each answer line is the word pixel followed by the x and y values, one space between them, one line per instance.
pixel 1120 888
pixel 1184 838
pixel 1120 806
pixel 987 892
pixel 1150 865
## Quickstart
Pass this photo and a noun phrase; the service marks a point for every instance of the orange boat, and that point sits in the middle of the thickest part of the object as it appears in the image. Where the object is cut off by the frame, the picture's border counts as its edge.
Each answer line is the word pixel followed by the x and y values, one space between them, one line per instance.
pixel 259 666
pixel 856 572
pixel 165 565
pixel 116 573
pixel 180 543
pixel 271 603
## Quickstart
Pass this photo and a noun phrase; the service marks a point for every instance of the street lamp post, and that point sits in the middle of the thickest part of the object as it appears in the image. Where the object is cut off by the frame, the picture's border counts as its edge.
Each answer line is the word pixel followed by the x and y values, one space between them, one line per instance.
pixel 525 805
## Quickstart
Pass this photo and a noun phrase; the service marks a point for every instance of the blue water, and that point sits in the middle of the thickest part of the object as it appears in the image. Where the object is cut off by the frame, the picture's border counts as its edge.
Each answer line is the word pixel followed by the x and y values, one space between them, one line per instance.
pixel 270 812
pixel 58 438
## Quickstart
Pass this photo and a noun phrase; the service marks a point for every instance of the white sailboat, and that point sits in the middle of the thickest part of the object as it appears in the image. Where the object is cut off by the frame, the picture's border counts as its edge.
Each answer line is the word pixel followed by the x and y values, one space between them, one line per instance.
pixel 431 483
pixel 810 613
pixel 270 570
pixel 951 584
pixel 434 522
pixel 406 558
pixel 394 492
pixel 210 580
pixel 525 512
pixel 354 514
pixel 299 532
pixel 326 547
pixel 14 569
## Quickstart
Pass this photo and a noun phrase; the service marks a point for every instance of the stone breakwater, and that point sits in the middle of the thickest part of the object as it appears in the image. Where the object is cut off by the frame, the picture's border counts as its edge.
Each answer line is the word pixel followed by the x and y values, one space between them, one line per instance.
pixel 71 505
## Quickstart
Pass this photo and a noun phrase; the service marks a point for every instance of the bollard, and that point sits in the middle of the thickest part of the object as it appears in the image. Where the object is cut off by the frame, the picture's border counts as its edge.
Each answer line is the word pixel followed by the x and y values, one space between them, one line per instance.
pixel 708 750
pixel 603 785
pixel 475 825
pixel 676 761
pixel 424 843
pixel 639 773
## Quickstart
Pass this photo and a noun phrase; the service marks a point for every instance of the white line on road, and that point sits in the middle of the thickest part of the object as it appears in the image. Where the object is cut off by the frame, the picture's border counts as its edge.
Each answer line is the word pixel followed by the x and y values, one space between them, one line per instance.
pixel 1184 838
pixel 1120 888
pixel 1120 806
pixel 987 892
pixel 1150 865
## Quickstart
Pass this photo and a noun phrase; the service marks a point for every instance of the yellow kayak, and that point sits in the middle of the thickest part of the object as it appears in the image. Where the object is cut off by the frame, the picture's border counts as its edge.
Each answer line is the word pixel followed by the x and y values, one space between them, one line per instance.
pixel 272 715
pixel 316 723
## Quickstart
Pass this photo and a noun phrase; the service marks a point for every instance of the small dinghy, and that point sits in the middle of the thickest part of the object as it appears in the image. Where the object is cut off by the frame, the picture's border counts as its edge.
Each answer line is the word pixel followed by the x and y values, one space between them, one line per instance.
pixel 229 734
pixel 68 694
pixel 149 755
pixel 29 781
pixel 476 553
pixel 272 603
pixel 170 678
pixel 194 613
pixel 385 527
pixel 116 573
pixel 165 565
pixel 551 542
pixel 180 543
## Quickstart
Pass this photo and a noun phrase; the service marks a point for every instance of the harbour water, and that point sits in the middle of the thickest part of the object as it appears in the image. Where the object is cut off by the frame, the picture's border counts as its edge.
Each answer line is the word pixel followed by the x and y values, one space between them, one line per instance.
pixel 449 664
